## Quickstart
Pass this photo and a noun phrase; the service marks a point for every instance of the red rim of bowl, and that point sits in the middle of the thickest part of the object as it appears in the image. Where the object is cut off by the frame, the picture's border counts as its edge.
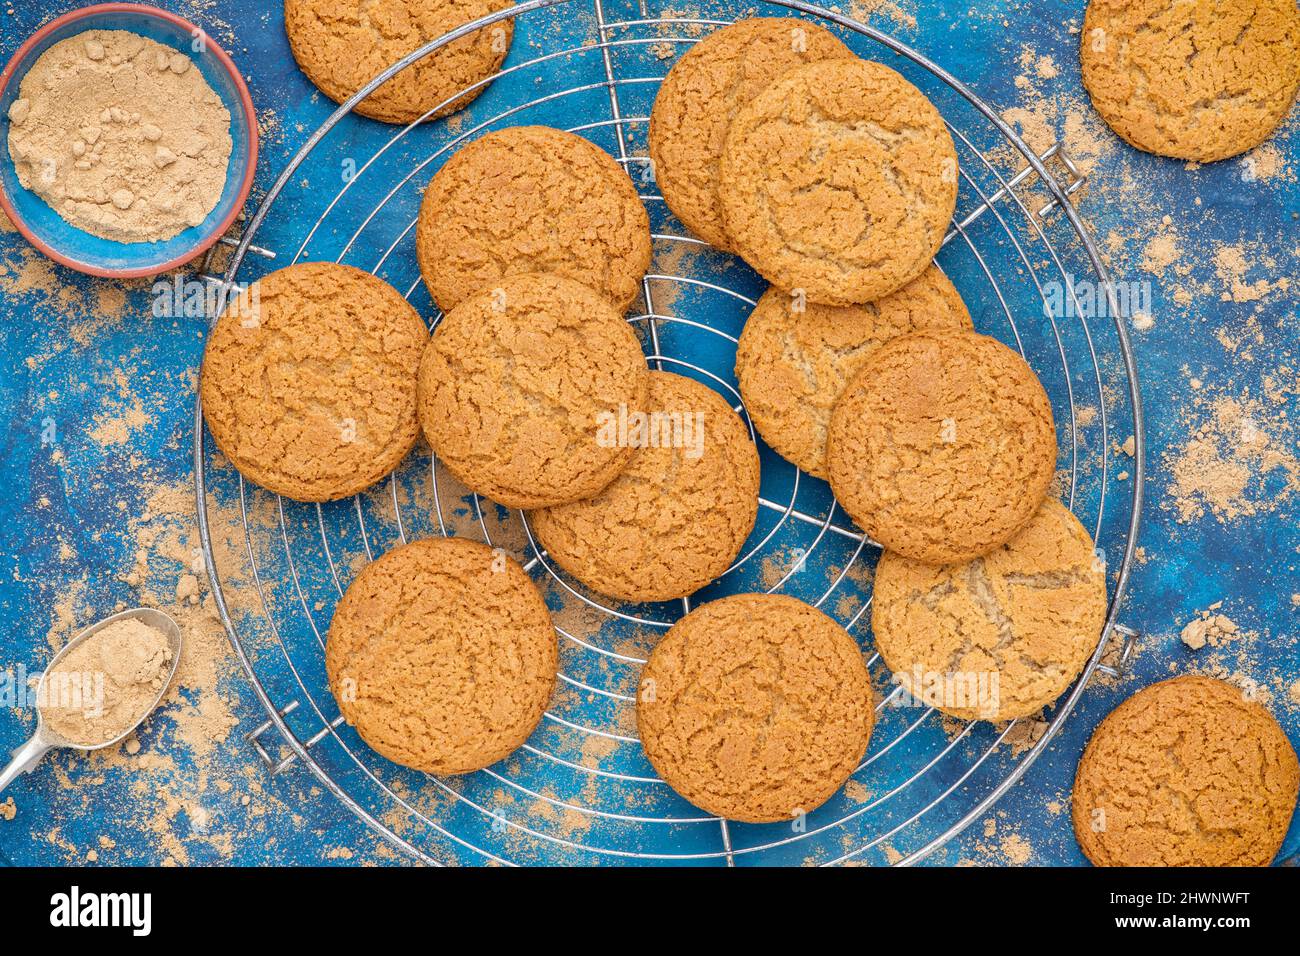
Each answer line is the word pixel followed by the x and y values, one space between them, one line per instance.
pixel 244 188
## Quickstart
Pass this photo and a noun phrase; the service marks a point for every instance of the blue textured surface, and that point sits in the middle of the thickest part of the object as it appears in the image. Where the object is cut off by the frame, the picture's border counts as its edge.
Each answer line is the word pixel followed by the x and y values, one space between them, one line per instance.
pixel 97 462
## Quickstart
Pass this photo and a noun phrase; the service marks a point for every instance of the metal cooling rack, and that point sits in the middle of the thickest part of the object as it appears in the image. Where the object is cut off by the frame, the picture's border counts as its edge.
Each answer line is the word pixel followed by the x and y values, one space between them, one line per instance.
pixel 580 791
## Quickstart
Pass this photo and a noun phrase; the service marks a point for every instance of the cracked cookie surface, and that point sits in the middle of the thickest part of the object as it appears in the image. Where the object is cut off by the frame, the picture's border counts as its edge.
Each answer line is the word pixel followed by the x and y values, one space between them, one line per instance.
pixel 532 199
pixel 704 90
pixel 679 513
pixel 756 707
pixel 998 637
pixel 1186 772
pixel 839 179
pixel 1199 80
pixel 792 365
pixel 308 382
pixel 942 446
pixel 442 655
pixel 344 44
pixel 514 386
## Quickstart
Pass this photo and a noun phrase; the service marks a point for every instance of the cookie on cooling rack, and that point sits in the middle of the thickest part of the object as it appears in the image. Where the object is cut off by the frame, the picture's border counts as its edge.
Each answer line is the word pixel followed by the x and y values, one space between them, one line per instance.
pixel 344 44
pixel 517 384
pixel 839 180
pixel 678 515
pixel 532 199
pixel 794 358
pixel 701 94
pixel 757 707
pixel 942 446
pixel 308 382
pixel 1187 772
pixel 442 655
pixel 1202 80
pixel 998 637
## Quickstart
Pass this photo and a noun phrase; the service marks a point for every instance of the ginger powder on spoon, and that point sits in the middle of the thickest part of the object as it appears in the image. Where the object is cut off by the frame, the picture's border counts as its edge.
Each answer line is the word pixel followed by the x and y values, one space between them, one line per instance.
pixel 106 684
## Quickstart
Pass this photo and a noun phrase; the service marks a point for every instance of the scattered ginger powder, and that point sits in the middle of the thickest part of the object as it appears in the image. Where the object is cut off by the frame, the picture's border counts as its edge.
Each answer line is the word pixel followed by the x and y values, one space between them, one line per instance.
pixel 121 136
pixel 106 684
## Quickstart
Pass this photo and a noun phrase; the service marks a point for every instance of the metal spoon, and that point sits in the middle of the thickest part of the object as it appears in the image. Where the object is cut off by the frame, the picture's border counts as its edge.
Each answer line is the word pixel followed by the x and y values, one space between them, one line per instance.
pixel 26 757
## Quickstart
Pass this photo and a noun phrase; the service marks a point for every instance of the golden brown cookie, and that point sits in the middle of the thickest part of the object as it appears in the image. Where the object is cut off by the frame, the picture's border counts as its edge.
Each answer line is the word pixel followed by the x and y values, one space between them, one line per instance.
pixel 756 707
pixel 701 94
pixel 839 179
pixel 942 446
pixel 515 386
pixel 308 381
pixel 532 199
pixel 794 358
pixel 1187 772
pixel 442 655
pixel 344 44
pixel 679 513
pixel 998 637
pixel 1197 79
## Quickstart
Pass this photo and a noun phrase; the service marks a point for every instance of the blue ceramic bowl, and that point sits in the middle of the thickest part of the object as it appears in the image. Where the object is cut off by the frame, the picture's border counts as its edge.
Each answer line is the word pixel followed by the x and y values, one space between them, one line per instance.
pixel 63 243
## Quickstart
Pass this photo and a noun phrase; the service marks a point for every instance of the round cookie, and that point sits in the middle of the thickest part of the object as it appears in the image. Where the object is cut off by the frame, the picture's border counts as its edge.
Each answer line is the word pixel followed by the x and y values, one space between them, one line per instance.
pixel 757 707
pixel 532 199
pixel 308 382
pixel 442 655
pixel 794 359
pixel 1200 80
pixel 344 44
pixel 516 382
pixel 1186 772
pixel 839 179
pixel 942 446
pixel 704 90
pixel 998 637
pixel 678 515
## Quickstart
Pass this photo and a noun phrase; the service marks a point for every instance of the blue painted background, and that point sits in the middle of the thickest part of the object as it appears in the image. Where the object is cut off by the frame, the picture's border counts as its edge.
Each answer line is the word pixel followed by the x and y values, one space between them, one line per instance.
pixel 96 462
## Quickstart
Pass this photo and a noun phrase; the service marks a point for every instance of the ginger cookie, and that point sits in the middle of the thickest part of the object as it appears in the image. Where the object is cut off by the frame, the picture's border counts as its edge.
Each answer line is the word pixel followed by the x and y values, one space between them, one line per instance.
pixel 1001 636
pixel 516 384
pixel 942 446
pixel 308 383
pixel 532 199
pixel 794 358
pixel 678 515
pixel 1200 79
pixel 701 94
pixel 839 180
pixel 344 44
pixel 757 707
pixel 442 655
pixel 1186 772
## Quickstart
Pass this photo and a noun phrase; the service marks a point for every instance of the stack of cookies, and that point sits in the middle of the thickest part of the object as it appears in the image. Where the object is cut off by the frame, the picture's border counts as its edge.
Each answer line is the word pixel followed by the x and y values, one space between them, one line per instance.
pixel 317 380
pixel 535 392
pixel 835 179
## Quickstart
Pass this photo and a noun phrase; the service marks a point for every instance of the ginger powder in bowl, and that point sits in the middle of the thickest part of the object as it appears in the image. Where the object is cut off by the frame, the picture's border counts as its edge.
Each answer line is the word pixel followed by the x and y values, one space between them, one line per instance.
pixel 155 64
pixel 121 136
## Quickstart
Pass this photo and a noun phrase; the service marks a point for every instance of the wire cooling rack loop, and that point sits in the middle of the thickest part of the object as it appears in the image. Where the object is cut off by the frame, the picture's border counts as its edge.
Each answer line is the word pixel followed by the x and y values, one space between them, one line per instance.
pixel 580 791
